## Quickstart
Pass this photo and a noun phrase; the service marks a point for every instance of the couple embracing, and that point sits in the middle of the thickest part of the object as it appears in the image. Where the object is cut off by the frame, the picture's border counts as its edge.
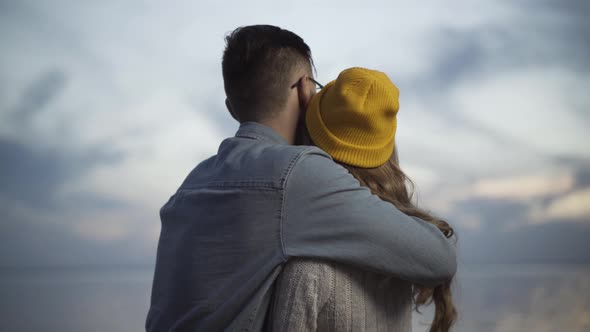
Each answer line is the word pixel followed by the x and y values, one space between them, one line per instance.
pixel 303 221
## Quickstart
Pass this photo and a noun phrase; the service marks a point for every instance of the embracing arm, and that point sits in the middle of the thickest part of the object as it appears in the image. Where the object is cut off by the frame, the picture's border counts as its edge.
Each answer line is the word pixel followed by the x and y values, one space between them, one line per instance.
pixel 327 214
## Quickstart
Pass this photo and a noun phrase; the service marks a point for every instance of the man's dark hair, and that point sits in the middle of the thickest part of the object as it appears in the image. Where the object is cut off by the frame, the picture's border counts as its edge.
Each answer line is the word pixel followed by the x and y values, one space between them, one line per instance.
pixel 257 65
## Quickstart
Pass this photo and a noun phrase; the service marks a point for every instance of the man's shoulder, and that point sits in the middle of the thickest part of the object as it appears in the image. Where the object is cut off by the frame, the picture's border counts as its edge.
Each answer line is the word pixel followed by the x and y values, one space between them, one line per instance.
pixel 296 155
pixel 279 161
pixel 315 170
pixel 252 161
pixel 299 159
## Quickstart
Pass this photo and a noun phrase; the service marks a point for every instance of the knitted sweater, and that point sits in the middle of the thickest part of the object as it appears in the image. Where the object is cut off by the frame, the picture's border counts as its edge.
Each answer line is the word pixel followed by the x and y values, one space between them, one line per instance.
pixel 312 295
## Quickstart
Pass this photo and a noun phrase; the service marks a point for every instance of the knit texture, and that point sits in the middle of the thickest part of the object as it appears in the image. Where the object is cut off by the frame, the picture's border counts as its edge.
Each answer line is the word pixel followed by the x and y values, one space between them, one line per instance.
pixel 354 117
pixel 312 295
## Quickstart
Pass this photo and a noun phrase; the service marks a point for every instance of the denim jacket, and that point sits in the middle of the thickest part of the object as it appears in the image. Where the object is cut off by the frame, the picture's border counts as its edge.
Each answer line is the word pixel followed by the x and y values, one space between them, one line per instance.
pixel 241 214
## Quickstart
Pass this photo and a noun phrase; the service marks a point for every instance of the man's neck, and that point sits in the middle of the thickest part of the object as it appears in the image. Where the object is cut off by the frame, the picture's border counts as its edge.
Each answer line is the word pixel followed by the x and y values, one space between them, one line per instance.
pixel 285 120
pixel 286 131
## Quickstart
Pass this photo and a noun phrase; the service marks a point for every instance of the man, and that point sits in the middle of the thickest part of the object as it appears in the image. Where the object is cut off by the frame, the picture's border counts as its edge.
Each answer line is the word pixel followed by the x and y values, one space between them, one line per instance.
pixel 241 214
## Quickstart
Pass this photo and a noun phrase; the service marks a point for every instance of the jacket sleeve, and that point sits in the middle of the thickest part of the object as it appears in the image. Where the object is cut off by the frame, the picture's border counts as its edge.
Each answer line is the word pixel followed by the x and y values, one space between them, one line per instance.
pixel 327 214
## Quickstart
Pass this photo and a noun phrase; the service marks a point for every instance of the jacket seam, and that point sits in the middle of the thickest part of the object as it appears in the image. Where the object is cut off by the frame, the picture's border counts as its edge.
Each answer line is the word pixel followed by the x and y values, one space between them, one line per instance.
pixel 250 184
pixel 252 135
pixel 288 172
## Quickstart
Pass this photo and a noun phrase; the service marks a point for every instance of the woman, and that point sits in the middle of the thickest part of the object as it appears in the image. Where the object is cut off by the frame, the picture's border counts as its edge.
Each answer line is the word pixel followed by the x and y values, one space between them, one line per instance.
pixel 354 120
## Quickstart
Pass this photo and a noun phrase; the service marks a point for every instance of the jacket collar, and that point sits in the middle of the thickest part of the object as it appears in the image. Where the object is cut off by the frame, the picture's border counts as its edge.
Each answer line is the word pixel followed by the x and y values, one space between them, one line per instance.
pixel 257 130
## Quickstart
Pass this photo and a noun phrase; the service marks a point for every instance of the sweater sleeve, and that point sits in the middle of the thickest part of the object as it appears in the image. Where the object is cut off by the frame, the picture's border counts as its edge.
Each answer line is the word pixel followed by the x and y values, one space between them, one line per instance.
pixel 300 295
pixel 327 214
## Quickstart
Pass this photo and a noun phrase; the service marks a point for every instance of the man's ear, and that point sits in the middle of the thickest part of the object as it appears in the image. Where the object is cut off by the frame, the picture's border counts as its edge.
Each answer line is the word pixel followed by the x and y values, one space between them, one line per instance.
pixel 303 95
pixel 230 109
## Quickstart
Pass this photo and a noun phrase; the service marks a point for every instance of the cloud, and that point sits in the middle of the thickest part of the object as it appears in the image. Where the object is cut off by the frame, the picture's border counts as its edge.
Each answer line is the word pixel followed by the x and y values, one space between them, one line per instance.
pixel 40 93
pixel 105 108
pixel 557 242
pixel 493 88
pixel 582 175
pixel 71 236
pixel 574 205
pixel 523 186
pixel 537 97
pixel 35 175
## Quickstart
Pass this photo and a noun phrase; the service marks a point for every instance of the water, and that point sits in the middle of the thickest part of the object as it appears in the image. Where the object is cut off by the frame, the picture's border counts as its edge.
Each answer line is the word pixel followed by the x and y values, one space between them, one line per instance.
pixel 515 298
pixel 69 300
pixel 490 298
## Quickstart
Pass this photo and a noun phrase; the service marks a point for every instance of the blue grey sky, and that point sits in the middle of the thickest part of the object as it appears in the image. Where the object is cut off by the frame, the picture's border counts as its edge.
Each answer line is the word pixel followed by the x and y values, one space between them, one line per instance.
pixel 106 106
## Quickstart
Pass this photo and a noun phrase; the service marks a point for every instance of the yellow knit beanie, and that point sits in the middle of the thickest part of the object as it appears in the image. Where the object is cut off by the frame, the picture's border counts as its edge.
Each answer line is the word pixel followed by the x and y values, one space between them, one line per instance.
pixel 354 117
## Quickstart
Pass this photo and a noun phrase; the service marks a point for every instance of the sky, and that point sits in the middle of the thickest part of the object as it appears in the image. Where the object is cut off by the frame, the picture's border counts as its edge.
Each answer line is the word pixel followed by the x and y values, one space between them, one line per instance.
pixel 106 106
